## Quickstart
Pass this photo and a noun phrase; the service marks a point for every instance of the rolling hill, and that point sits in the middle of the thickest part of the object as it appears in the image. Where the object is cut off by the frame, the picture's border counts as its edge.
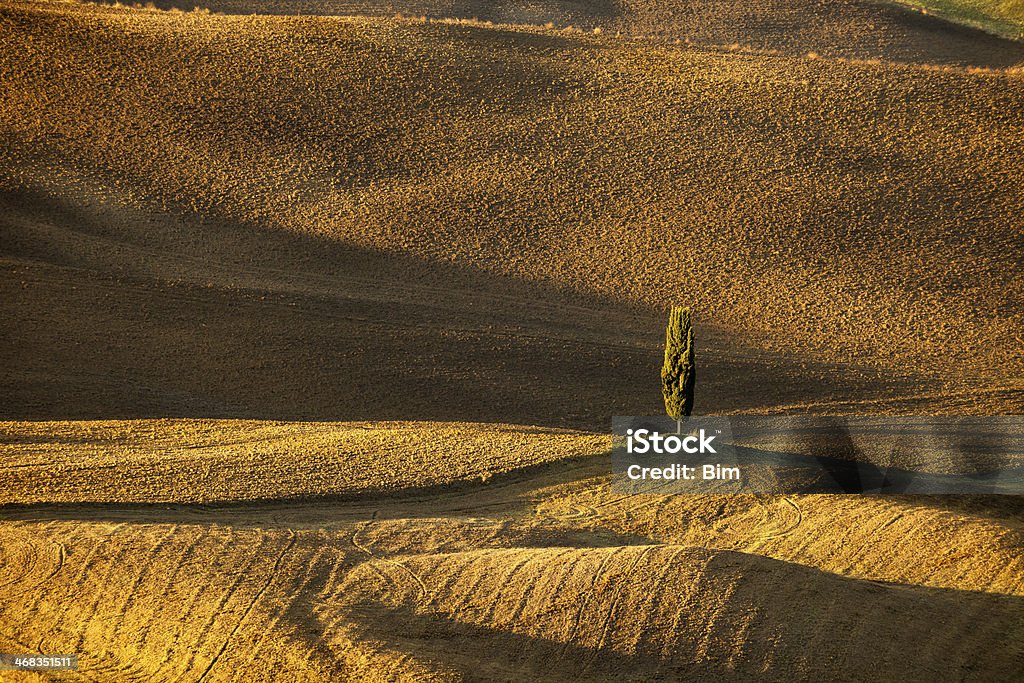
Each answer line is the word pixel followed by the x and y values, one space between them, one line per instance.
pixel 313 327
pixel 512 206
pixel 860 29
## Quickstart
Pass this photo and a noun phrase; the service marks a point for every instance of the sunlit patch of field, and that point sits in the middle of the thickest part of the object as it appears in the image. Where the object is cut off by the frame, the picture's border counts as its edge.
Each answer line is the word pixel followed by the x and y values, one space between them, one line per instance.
pixel 868 537
pixel 653 611
pixel 189 461
pixel 548 577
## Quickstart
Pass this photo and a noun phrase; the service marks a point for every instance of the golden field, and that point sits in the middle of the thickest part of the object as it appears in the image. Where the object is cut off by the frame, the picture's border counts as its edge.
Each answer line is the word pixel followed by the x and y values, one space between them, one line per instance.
pixel 314 325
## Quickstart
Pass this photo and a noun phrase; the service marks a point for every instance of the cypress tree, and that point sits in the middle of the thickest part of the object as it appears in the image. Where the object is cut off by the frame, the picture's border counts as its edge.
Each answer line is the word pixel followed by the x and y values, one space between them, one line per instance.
pixel 678 374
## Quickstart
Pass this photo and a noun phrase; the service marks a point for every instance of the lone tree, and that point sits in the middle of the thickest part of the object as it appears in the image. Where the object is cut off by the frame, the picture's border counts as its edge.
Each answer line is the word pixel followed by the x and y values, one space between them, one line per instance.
pixel 678 374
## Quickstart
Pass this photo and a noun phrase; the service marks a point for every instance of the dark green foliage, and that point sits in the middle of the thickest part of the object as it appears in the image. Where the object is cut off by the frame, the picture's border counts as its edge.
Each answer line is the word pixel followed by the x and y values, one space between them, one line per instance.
pixel 678 374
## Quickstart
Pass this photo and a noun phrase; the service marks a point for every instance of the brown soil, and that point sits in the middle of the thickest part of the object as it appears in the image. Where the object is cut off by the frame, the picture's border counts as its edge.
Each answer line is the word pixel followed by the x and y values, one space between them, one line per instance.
pixel 860 29
pixel 356 241
pixel 313 327
pixel 544 575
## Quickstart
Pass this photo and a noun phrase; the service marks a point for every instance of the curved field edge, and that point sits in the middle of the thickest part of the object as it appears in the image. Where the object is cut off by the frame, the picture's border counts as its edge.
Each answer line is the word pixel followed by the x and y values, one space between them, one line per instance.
pixel 201 461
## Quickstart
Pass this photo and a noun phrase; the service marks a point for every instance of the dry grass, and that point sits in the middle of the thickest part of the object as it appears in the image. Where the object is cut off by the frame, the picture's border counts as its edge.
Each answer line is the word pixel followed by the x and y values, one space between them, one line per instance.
pixel 1001 17
pixel 665 612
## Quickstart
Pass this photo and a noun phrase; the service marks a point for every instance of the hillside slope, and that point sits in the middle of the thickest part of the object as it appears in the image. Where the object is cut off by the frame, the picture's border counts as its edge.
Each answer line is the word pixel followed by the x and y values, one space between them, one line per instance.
pixel 437 243
pixel 862 29
pixel 512 581
pixel 492 220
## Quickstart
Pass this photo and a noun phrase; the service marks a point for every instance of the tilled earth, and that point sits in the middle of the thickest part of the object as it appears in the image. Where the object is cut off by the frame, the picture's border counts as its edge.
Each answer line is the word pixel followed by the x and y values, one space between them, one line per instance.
pixel 313 325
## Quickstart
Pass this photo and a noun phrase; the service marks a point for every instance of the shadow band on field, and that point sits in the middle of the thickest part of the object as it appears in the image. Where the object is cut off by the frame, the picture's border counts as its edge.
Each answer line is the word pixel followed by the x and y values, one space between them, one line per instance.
pixel 103 326
pixel 823 474
pixel 889 455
